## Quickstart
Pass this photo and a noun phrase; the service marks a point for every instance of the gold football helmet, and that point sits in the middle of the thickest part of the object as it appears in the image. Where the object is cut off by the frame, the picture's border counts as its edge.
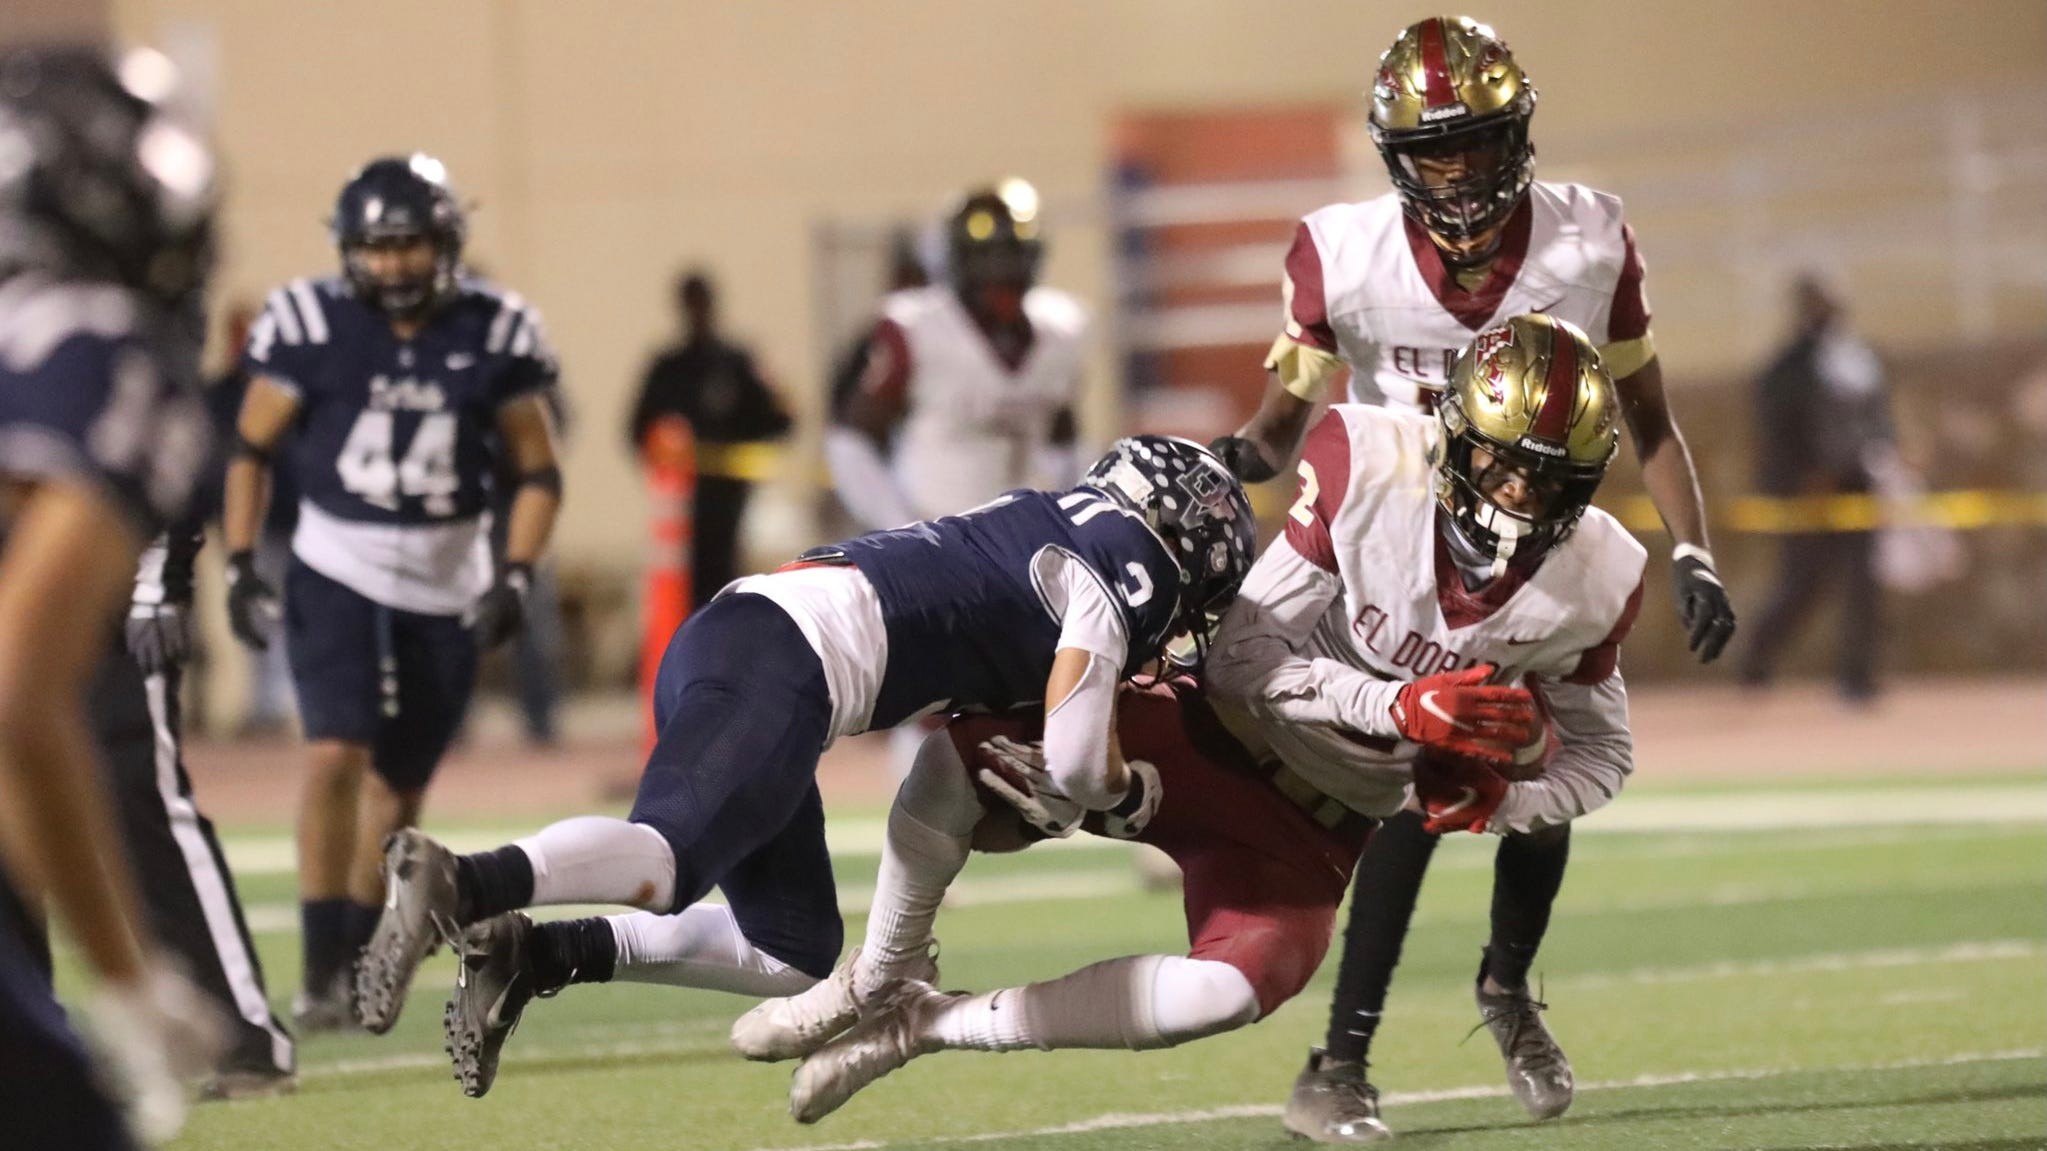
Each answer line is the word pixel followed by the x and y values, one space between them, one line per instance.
pixel 1449 91
pixel 1530 400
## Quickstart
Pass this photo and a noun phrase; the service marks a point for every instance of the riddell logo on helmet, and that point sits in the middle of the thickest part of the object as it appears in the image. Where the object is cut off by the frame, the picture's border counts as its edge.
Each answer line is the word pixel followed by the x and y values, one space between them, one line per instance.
pixel 1446 112
pixel 1543 446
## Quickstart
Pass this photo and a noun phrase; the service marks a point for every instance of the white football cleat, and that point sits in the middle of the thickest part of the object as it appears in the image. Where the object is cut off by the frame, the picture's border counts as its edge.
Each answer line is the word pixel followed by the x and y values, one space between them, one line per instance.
pixel 895 1033
pixel 793 1026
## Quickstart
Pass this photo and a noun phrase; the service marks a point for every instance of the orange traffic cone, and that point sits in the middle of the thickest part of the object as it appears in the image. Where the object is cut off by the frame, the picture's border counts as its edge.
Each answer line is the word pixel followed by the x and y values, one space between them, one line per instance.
pixel 669 454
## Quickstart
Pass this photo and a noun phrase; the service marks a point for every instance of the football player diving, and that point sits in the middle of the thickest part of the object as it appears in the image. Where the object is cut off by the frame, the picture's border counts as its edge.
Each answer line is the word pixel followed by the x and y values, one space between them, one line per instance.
pixel 1051 597
pixel 1356 674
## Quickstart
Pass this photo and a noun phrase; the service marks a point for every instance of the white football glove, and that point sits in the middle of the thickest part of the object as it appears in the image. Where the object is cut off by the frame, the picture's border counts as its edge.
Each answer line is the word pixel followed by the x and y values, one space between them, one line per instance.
pixel 1019 777
pixel 154 1036
pixel 1127 819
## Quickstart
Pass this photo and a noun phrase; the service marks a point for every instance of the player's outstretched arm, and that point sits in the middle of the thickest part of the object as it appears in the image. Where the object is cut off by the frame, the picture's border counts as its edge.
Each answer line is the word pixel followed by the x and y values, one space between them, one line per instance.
pixel 1673 484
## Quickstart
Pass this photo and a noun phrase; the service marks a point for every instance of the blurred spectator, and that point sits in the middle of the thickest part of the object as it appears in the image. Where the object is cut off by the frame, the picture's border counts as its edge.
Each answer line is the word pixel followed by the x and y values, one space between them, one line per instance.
pixel 1823 428
pixel 270 705
pixel 715 386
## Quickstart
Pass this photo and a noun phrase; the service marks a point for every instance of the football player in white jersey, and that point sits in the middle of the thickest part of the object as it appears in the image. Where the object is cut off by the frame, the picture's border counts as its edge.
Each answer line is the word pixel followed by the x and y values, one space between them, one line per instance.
pixel 1388 289
pixel 1443 599
pixel 969 386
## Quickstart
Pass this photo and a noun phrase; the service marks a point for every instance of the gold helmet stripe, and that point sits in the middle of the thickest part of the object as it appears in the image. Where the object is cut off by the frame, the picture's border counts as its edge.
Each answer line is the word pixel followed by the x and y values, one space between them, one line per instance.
pixel 1436 65
pixel 1559 390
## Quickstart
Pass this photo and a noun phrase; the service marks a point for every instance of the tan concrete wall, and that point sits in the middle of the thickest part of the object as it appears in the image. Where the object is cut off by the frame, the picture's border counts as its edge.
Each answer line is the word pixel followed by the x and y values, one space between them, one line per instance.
pixel 607 142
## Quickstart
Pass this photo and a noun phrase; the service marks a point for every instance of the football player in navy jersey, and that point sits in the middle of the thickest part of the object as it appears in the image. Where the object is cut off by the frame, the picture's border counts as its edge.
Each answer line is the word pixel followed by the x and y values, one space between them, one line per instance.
pixel 403 384
pixel 1035 596
pixel 106 205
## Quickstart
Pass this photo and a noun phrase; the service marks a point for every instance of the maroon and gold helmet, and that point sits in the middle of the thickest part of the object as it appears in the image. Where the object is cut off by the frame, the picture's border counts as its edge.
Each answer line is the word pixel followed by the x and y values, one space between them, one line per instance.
pixel 1449 89
pixel 1534 395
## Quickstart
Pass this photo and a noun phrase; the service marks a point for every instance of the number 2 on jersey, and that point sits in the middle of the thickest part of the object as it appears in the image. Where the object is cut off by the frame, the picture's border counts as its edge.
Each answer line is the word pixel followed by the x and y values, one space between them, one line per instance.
pixel 427 473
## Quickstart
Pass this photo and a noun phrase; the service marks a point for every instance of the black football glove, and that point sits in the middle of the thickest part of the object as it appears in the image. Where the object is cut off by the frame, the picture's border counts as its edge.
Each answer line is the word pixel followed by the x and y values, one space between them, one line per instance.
pixel 1702 602
pixel 159 636
pixel 501 612
pixel 1243 459
pixel 252 609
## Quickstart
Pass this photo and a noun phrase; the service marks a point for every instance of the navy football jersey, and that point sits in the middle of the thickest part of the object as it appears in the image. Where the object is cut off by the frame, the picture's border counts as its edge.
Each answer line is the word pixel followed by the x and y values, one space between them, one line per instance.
pixel 91 389
pixel 397 431
pixel 967 622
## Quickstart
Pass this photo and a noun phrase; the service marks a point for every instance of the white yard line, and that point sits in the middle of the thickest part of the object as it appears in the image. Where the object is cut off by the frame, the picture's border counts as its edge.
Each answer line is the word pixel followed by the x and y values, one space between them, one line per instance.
pixel 1775 809
pixel 708 1034
pixel 1124 1122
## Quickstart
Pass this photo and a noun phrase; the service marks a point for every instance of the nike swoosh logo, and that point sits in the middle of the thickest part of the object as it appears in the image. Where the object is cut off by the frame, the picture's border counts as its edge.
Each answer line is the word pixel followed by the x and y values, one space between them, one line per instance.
pixel 1463 801
pixel 1429 705
pixel 1523 642
pixel 1548 306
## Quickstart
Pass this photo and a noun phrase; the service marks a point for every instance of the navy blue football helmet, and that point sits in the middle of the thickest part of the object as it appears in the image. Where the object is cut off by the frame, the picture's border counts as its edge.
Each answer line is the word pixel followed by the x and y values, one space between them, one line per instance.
pixel 396 199
pixel 1188 497
pixel 99 180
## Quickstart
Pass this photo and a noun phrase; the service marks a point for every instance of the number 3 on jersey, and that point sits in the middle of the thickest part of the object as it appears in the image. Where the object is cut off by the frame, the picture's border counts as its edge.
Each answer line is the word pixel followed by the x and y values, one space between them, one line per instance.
pixel 427 473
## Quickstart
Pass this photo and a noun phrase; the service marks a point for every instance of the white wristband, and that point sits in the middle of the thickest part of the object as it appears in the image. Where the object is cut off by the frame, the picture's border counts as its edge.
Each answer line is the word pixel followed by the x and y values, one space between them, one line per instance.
pixel 1691 551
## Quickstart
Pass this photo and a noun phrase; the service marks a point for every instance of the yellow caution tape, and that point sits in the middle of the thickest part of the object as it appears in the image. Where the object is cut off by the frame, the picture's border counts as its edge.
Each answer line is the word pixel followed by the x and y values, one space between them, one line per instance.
pixel 754 461
pixel 1763 515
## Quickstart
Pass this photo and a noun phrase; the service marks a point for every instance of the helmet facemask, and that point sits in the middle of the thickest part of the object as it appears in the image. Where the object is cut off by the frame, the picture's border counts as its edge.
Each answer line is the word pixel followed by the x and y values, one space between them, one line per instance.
pixel 1198 510
pixel 409 296
pixel 1490 167
pixel 1481 532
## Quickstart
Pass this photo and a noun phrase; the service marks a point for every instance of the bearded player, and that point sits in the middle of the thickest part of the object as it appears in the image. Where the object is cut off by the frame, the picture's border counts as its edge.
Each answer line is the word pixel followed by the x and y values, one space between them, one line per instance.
pixel 1389 289
pixel 1383 652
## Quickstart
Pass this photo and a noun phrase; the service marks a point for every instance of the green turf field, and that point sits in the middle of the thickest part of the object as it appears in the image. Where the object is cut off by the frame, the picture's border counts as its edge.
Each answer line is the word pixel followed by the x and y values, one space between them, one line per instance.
pixel 1802 967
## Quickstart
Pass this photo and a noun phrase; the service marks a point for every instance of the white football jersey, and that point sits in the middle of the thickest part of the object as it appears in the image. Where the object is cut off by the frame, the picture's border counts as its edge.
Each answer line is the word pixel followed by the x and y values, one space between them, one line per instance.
pixel 974 426
pixel 1366 283
pixel 1397 609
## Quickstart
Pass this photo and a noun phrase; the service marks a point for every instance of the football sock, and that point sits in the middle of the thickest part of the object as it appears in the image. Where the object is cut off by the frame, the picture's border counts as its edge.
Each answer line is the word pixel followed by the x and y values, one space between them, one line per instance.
pixel 1389 880
pixel 1136 1003
pixel 1528 871
pixel 930 833
pixel 917 864
pixel 492 883
pixel 700 946
pixel 588 859
pixel 362 923
pixel 323 931
pixel 572 951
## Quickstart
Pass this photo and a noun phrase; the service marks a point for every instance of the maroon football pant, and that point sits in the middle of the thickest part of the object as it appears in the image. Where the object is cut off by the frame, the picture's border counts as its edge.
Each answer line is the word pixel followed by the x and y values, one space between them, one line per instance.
pixel 1263 880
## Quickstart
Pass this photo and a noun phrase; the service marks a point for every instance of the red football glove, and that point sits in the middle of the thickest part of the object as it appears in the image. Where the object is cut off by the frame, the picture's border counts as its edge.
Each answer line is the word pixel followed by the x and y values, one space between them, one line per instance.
pixel 1459 713
pixel 1456 793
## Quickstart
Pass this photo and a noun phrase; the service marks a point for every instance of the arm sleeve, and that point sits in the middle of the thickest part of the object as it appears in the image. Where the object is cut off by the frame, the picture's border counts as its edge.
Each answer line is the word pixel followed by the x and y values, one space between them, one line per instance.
pixel 1595 755
pixel 1077 730
pixel 1257 661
